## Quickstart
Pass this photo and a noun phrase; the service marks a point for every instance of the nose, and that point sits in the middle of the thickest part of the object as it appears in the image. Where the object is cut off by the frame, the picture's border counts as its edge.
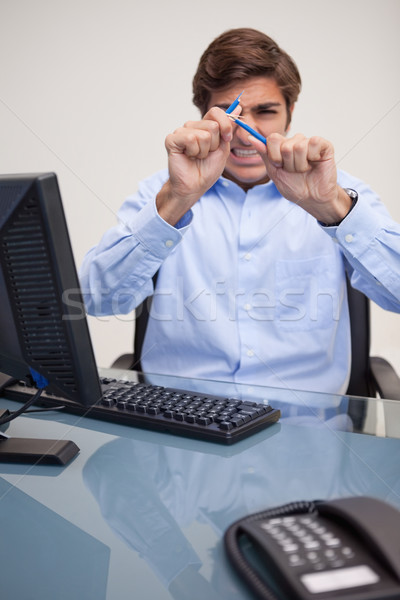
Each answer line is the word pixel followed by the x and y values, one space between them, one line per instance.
pixel 241 135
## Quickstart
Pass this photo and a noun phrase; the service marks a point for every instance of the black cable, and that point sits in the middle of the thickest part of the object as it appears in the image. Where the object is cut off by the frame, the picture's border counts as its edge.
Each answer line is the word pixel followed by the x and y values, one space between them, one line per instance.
pixel 23 408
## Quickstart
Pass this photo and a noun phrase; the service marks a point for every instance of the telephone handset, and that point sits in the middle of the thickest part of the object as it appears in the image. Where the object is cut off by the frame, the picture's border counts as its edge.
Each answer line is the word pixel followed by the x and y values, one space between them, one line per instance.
pixel 345 549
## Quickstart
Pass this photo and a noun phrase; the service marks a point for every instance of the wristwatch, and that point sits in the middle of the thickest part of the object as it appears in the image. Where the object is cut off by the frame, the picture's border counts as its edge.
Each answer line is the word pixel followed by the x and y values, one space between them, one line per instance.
pixel 353 195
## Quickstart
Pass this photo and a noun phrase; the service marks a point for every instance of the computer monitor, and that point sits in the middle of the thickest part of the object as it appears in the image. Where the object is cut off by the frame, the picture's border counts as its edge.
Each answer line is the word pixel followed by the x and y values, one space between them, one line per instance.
pixel 43 328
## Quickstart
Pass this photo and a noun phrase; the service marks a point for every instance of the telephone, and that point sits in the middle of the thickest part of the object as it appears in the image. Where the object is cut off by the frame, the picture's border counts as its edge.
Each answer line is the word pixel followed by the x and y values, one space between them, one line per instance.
pixel 345 549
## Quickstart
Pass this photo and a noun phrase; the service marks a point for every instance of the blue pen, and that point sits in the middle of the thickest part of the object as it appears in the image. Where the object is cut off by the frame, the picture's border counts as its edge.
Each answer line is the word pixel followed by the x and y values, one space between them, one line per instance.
pixel 252 131
pixel 244 125
pixel 234 104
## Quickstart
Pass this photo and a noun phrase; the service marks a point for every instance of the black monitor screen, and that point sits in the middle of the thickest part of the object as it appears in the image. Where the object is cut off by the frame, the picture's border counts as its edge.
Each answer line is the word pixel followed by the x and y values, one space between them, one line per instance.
pixel 43 327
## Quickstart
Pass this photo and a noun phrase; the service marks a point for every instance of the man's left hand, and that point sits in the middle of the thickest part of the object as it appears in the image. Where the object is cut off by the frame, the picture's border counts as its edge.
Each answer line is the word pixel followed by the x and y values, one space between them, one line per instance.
pixel 304 171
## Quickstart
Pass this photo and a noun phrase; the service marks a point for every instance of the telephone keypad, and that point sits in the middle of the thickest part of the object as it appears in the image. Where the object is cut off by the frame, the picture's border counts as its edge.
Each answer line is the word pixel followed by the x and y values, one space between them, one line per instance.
pixel 309 544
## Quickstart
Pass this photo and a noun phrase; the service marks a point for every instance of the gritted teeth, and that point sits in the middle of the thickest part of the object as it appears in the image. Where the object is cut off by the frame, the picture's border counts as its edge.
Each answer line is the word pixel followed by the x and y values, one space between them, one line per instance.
pixel 244 153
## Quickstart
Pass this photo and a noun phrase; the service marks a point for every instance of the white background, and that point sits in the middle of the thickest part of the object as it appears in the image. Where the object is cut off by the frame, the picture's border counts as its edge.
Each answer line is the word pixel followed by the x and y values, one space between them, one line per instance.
pixel 90 88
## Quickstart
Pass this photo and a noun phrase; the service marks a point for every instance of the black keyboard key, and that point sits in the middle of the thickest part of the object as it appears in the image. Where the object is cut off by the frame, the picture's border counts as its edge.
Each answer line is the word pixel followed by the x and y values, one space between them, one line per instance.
pixel 237 421
pixel 226 425
pixel 251 412
pixel 246 418
pixel 179 416
pixel 122 404
pixel 108 401
pixel 203 420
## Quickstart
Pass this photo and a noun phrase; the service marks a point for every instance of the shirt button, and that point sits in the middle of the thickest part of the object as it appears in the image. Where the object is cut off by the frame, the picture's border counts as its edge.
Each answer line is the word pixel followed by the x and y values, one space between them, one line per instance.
pixel 250 353
pixel 225 183
pixel 169 243
pixel 247 256
pixel 348 238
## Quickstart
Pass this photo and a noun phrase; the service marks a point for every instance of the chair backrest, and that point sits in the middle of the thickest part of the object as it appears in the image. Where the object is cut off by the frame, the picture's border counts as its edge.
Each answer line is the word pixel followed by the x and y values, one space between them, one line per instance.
pixel 141 318
pixel 360 383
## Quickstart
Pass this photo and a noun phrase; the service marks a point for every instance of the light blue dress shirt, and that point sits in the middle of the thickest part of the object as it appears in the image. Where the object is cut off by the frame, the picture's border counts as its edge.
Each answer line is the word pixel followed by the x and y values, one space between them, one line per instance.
pixel 251 288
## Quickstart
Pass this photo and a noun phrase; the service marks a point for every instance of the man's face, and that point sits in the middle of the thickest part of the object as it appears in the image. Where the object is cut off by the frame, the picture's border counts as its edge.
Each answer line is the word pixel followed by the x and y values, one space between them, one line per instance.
pixel 264 109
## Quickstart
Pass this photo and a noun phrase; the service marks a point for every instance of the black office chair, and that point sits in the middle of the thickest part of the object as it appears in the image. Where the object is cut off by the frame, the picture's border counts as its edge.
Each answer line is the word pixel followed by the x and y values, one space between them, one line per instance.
pixel 132 361
pixel 370 376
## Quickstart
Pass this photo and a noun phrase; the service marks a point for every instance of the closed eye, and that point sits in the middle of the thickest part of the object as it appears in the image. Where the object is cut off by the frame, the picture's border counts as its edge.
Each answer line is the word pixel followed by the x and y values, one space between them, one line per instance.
pixel 268 108
pixel 269 111
pixel 224 107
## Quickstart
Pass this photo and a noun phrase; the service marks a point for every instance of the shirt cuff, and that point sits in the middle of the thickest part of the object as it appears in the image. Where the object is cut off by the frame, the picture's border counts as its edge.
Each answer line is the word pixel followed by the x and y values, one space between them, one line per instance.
pixel 360 226
pixel 185 220
pixel 158 236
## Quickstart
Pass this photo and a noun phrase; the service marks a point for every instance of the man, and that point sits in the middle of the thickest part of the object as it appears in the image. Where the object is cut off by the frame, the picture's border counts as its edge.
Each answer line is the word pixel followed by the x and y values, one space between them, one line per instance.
pixel 251 242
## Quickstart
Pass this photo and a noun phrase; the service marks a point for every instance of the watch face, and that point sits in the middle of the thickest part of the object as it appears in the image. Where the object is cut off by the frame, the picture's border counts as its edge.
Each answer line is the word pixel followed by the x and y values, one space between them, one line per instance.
pixel 352 193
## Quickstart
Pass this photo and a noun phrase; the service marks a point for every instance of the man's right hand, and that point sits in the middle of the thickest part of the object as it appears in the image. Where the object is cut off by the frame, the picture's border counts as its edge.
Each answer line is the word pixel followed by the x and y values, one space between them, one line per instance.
pixel 197 153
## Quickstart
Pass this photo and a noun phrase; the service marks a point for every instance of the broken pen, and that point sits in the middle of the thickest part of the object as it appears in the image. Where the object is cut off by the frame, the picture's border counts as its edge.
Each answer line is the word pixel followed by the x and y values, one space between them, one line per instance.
pixel 253 132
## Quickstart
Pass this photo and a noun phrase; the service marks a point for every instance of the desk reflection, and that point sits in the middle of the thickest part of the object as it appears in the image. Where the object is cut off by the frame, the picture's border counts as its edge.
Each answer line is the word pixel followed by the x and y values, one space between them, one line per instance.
pixel 151 493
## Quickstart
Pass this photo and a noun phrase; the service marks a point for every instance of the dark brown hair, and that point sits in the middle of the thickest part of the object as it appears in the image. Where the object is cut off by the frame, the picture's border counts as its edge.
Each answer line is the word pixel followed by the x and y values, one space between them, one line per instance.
pixel 241 53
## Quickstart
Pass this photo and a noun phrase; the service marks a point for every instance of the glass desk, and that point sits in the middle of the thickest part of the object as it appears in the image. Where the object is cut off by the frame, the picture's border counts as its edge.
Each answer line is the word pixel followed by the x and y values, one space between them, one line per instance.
pixel 141 515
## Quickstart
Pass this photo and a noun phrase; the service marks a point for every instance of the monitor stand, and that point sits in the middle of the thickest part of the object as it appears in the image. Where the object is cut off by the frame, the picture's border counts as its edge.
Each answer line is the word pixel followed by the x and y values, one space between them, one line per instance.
pixel 32 450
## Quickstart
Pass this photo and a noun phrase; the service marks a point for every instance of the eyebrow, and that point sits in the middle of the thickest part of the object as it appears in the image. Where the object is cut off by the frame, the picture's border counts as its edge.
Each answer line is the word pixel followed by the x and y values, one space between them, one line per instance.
pixel 266 105
pixel 263 106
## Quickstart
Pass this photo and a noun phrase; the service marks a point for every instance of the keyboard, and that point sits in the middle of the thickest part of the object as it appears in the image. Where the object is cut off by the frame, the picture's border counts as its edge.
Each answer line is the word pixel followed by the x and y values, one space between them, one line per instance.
pixel 171 410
